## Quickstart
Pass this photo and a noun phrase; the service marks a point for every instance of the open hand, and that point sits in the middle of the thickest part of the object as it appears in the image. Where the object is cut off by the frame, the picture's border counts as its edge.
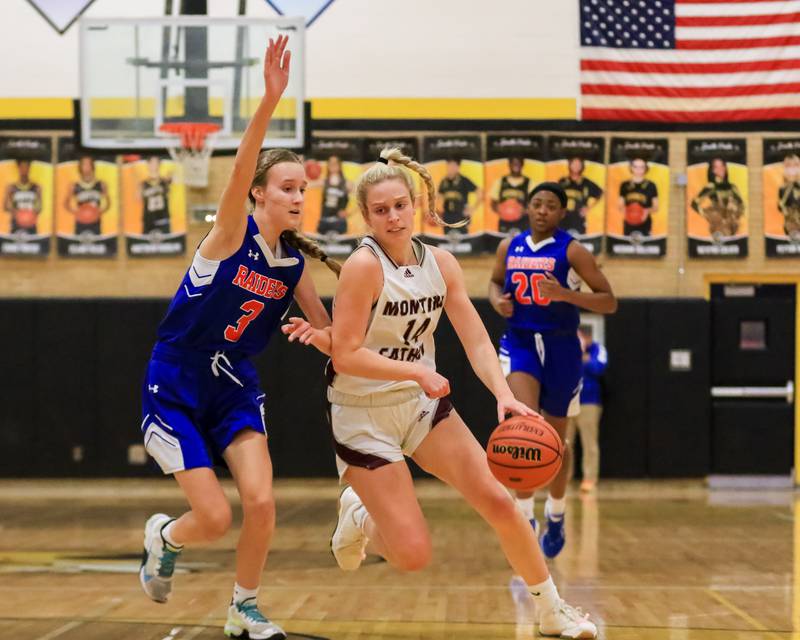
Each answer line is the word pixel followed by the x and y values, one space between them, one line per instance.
pixel 300 329
pixel 509 404
pixel 276 67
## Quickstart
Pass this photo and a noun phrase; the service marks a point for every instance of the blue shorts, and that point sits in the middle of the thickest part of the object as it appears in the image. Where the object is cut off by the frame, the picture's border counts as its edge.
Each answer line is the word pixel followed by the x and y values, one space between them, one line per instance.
pixel 195 403
pixel 554 359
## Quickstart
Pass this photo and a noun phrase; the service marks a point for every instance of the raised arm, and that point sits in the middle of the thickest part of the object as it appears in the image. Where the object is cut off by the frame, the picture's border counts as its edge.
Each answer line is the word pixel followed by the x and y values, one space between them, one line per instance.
pixel 474 338
pixel 231 222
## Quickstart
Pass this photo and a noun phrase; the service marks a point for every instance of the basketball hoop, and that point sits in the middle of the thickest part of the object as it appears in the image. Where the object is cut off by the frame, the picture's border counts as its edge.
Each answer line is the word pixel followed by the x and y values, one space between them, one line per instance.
pixel 192 149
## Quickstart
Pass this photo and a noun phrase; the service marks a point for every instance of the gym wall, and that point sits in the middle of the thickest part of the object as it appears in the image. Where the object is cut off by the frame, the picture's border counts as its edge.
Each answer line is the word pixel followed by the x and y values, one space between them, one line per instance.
pixel 77 413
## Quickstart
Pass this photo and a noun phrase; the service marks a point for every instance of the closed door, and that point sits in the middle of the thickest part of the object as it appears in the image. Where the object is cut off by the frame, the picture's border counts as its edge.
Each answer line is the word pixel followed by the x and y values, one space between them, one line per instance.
pixel 752 374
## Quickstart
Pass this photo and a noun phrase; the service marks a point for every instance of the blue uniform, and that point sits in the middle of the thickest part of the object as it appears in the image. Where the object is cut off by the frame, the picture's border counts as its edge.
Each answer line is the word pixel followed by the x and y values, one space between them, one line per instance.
pixel 541 338
pixel 200 388
pixel 593 370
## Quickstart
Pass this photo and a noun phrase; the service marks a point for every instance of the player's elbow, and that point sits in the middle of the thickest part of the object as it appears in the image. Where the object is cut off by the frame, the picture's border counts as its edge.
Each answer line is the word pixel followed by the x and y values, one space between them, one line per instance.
pixel 612 304
pixel 340 359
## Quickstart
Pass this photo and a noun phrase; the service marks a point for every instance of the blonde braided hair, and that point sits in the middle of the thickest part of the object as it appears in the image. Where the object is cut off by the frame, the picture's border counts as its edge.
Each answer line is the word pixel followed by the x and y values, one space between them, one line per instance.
pixel 266 160
pixel 379 172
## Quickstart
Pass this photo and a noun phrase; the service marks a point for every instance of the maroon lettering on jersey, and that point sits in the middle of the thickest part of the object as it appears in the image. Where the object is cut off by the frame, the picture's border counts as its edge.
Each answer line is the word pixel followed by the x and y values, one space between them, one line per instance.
pixel 259 284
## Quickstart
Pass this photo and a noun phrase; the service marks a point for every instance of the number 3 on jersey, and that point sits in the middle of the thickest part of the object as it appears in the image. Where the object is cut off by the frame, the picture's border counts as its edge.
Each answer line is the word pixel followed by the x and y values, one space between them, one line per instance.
pixel 522 282
pixel 251 310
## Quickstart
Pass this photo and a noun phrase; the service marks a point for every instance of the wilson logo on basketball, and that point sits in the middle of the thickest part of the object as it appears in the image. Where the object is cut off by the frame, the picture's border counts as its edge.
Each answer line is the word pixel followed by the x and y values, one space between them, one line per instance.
pixel 517 453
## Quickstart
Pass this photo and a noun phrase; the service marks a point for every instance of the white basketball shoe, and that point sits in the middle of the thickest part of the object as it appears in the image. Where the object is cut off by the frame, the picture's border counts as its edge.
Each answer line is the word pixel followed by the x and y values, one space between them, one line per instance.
pixel 246 621
pixel 348 540
pixel 566 621
pixel 158 560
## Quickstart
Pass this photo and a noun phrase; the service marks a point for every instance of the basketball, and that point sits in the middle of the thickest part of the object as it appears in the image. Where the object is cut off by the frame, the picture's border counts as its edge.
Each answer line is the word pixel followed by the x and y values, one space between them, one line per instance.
pixel 313 169
pixel 635 213
pixel 87 213
pixel 524 452
pixel 25 218
pixel 510 210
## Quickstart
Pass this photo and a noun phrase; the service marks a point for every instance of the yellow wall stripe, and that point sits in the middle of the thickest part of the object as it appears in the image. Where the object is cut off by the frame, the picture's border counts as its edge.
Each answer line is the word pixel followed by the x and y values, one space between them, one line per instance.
pixel 326 108
pixel 444 108
pixel 36 108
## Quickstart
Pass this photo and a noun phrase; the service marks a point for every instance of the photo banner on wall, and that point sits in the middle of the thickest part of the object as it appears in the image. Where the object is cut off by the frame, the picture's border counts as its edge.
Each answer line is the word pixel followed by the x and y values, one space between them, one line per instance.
pixel 330 212
pixel 153 207
pixel 514 166
pixel 86 203
pixel 782 197
pixel 637 203
pixel 456 166
pixel 26 182
pixel 717 198
pixel 578 165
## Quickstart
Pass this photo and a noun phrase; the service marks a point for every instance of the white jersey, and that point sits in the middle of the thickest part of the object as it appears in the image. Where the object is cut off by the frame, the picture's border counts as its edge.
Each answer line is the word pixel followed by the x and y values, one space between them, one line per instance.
pixel 403 320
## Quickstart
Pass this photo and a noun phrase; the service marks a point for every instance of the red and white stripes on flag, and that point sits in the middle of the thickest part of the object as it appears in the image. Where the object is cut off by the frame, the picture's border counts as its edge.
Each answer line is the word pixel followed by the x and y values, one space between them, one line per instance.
pixel 730 60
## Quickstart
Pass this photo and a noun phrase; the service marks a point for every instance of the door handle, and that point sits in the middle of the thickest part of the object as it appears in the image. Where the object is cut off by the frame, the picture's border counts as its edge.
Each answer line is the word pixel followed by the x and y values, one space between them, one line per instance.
pixel 786 392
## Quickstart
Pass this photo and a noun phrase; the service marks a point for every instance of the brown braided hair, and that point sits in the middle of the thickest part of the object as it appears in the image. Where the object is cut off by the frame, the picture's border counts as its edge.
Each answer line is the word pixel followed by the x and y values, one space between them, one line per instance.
pixel 379 172
pixel 266 160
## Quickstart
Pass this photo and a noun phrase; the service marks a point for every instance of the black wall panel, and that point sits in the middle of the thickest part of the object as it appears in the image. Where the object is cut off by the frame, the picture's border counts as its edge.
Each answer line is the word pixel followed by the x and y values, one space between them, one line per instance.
pixel 18 408
pixel 624 425
pixel 66 393
pixel 679 401
pixel 73 373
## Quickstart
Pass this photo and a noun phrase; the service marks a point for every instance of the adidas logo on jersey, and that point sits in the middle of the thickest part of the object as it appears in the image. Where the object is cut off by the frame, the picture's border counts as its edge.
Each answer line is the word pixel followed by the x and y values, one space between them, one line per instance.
pixel 407 273
pixel 422 415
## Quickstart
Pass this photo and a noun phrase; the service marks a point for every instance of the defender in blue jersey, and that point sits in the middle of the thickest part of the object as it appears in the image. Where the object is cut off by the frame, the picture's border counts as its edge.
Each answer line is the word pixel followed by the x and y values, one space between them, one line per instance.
pixel 535 284
pixel 201 398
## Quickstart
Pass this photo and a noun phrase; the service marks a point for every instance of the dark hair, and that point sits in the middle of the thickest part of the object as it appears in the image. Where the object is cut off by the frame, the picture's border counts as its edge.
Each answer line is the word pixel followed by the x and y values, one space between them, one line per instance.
pixel 710 173
pixel 552 187
pixel 266 160
pixel 455 159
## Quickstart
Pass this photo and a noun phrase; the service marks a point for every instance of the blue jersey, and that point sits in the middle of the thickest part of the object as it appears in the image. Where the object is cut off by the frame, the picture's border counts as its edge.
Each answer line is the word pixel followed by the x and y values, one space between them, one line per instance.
pixel 233 305
pixel 526 264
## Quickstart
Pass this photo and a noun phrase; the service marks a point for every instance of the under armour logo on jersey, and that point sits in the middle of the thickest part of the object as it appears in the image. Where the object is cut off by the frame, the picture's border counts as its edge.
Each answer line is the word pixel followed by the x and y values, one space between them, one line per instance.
pixel 407 273
pixel 422 415
pixel 253 255
pixel 519 249
pixel 152 388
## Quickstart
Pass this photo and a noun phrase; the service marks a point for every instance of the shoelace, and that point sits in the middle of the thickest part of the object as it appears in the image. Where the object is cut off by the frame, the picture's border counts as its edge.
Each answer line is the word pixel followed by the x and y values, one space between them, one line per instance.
pixel 250 610
pixel 573 613
pixel 167 565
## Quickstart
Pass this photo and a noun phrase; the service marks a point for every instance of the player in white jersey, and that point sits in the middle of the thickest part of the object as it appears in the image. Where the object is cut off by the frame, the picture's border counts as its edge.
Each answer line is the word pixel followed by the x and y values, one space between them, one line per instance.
pixel 387 400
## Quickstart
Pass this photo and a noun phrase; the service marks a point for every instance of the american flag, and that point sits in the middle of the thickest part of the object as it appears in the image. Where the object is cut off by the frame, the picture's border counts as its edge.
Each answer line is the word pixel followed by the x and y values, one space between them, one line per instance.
pixel 690 60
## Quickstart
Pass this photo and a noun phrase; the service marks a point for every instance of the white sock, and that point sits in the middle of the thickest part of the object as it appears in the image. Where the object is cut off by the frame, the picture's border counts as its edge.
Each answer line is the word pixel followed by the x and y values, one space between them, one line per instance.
pixel 166 535
pixel 555 507
pixel 240 594
pixel 526 506
pixel 544 594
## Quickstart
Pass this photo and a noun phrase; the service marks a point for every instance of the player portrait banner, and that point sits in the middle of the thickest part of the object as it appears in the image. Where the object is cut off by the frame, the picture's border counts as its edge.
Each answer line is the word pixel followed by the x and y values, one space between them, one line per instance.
pixel 330 213
pixel 26 181
pixel 456 166
pixel 86 203
pixel 717 198
pixel 514 166
pixel 637 202
pixel 782 197
pixel 153 206
pixel 578 165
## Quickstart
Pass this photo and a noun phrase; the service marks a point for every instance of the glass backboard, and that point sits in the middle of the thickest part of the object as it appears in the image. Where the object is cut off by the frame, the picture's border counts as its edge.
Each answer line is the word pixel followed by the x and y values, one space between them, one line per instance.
pixel 140 73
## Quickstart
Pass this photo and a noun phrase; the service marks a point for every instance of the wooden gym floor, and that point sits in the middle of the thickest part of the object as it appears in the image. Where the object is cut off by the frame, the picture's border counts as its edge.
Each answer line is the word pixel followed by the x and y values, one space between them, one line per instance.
pixel 651 561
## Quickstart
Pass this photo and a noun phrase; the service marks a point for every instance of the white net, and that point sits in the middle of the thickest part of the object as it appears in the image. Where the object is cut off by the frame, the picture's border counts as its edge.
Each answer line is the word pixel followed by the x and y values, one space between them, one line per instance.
pixel 191 150
pixel 194 164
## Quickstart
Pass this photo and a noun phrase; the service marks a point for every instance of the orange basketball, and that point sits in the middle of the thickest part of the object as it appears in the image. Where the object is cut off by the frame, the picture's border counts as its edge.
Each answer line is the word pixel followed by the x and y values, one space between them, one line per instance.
pixel 635 213
pixel 25 218
pixel 510 210
pixel 524 452
pixel 87 213
pixel 313 169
